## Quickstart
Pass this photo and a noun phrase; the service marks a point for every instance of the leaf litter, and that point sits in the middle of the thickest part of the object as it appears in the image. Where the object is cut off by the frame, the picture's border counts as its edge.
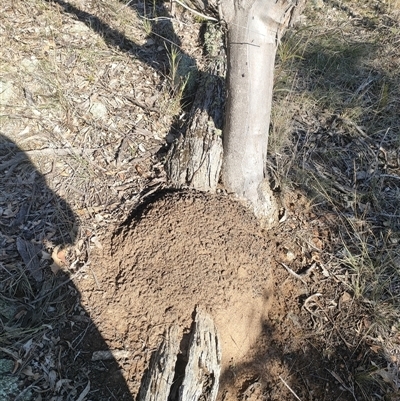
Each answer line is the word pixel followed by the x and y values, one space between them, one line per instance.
pixel 84 121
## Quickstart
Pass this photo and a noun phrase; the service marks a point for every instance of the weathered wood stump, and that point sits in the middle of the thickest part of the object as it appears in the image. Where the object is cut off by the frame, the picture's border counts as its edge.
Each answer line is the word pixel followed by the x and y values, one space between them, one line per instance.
pixel 195 159
pixel 202 370
pixel 157 384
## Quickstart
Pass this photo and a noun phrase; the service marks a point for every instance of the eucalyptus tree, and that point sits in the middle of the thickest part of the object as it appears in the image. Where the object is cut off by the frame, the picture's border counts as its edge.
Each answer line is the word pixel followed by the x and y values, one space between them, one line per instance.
pixel 253 32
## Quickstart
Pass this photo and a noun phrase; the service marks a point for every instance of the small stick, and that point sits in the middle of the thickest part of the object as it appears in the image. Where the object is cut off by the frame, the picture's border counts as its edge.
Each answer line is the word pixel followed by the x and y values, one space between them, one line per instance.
pixel 310 298
pixel 287 385
pixel 294 274
pixel 195 12
pixel 338 378
pixel 56 288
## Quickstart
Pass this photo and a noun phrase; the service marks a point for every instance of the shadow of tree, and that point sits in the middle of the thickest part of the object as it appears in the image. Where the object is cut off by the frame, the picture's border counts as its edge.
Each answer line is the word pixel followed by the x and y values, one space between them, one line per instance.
pixel 117 39
pixel 45 332
pixel 183 72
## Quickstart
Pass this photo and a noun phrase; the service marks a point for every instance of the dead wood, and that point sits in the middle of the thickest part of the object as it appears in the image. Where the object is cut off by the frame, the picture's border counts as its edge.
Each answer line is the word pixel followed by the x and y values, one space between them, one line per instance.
pixel 195 159
pixel 157 383
pixel 202 370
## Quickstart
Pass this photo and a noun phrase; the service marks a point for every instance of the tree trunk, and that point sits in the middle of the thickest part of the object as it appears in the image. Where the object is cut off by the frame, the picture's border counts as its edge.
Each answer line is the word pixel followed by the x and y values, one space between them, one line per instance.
pixel 254 31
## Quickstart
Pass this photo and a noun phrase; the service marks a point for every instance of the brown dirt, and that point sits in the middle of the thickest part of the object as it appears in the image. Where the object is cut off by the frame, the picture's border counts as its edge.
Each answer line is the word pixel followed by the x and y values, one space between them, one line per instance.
pixel 180 250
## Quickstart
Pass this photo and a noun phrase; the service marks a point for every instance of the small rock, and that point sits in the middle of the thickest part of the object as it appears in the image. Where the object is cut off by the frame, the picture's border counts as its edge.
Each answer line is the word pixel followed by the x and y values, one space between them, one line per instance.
pixel 6 92
pixel 98 110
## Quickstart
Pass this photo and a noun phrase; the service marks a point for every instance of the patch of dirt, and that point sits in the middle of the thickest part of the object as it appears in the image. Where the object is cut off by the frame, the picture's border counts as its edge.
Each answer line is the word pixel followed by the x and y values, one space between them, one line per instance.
pixel 184 249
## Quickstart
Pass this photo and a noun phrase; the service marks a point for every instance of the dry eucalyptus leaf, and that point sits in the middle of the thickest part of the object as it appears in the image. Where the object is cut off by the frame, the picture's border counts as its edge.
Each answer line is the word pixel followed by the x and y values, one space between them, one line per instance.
pixel 46 256
pixel 58 257
pixel 29 254
pixel 346 297
pixel 54 267
pixel 84 392
pixel 109 355
pixel 390 377
pixel 96 241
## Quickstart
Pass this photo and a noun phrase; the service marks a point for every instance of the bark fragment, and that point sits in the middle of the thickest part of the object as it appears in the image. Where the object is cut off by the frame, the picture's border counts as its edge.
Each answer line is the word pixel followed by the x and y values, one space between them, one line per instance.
pixel 157 383
pixel 203 369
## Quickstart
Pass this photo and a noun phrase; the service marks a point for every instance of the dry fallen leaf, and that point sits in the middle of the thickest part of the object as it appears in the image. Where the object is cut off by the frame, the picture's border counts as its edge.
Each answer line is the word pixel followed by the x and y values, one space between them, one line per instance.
pixel 29 372
pixel 96 241
pixel 58 257
pixel 84 392
pixel 109 355
pixel 346 297
pixel 54 268
pixel 45 255
pixel 375 348
pixel 29 253
pixel 390 377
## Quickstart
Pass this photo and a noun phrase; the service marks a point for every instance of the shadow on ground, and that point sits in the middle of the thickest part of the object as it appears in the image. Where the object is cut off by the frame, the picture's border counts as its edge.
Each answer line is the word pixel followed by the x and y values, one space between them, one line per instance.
pixel 305 358
pixel 181 70
pixel 55 348
pixel 47 338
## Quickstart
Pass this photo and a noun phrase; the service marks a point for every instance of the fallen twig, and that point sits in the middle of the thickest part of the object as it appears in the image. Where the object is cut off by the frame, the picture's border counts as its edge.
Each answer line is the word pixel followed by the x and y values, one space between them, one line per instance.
pixel 22 155
pixel 56 288
pixel 294 274
pixel 339 379
pixel 287 385
pixel 308 300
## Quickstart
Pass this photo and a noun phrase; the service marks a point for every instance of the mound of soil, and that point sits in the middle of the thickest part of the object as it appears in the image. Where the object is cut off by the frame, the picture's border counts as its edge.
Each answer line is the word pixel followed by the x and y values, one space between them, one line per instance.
pixel 188 249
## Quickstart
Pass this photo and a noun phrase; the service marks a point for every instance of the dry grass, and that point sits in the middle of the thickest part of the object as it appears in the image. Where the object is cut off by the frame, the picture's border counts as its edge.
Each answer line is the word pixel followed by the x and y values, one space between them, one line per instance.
pixel 338 90
pixel 87 97
pixel 87 80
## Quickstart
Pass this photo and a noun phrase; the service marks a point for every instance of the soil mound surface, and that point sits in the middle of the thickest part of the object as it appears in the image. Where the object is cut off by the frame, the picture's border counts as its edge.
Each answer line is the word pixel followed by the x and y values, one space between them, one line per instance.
pixel 185 250
pixel 188 249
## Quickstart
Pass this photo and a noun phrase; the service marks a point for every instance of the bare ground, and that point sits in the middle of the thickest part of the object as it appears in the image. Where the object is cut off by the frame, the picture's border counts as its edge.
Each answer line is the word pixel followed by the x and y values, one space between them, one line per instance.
pixel 208 250
pixel 97 258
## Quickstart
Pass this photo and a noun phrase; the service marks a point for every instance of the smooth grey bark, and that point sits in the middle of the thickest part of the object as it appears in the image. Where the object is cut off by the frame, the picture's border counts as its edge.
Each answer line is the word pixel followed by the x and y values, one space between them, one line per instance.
pixel 254 30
